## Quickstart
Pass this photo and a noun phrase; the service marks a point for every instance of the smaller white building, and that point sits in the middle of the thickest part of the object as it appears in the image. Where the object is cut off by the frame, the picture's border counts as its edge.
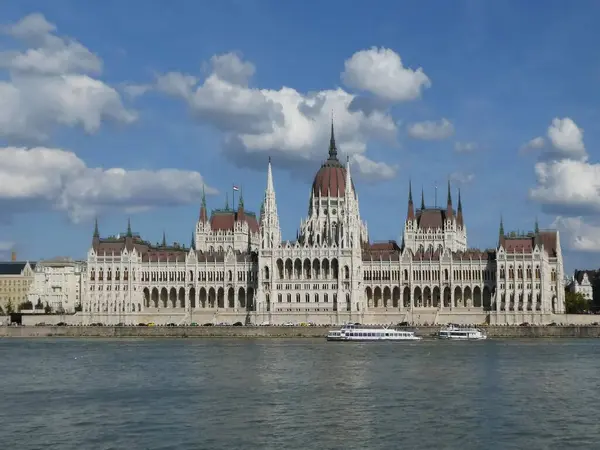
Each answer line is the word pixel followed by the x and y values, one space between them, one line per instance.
pixel 58 283
pixel 582 282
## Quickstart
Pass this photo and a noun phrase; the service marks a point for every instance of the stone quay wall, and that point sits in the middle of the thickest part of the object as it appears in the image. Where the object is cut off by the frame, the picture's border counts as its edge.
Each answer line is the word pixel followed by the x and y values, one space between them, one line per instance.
pixel 499 332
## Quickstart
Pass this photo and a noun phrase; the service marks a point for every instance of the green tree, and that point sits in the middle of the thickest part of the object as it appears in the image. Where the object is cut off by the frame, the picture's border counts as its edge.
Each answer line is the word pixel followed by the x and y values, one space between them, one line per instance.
pixel 25 305
pixel 9 307
pixel 48 309
pixel 576 303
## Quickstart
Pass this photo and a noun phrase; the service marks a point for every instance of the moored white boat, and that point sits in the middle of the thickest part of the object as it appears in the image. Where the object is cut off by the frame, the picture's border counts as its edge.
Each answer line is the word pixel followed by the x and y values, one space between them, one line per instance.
pixel 456 332
pixel 357 333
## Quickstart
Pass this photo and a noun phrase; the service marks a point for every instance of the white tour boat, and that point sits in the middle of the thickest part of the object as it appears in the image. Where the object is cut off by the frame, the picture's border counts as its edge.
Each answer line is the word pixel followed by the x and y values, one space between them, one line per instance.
pixel 461 333
pixel 357 333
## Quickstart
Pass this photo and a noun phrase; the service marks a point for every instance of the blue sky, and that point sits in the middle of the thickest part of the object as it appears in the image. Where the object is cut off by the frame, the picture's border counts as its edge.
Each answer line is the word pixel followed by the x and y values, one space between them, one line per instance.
pixel 499 73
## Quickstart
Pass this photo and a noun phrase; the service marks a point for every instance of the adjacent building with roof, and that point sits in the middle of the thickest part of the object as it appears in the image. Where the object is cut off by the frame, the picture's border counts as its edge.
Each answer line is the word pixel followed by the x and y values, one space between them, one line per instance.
pixel 583 281
pixel 58 284
pixel 15 279
pixel 238 268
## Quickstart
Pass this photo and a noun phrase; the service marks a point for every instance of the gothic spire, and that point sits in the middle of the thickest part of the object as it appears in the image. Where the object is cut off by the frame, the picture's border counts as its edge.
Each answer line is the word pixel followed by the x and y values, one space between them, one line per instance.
pixel 164 241
pixel 241 201
pixel 332 147
pixel 537 226
pixel 193 242
pixel 96 232
pixel 459 212
pixel 203 213
pixel 269 177
pixel 501 230
pixel 449 211
pixel 129 233
pixel 227 201
pixel 411 207
pixel 422 199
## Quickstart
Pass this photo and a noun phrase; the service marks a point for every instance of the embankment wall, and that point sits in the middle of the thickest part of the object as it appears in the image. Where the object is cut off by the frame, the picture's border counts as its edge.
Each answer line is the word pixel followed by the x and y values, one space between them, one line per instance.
pixel 271 332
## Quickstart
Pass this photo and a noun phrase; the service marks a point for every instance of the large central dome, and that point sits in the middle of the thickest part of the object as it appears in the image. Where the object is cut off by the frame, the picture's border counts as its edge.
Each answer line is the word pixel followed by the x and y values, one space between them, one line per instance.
pixel 330 180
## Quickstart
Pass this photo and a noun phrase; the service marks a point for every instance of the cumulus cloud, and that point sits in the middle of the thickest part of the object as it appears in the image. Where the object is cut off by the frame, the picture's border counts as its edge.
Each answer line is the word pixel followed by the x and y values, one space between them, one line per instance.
pixel 370 170
pixel 291 126
pixel 58 179
pixel 430 130
pixel 52 83
pixel 465 147
pixel 534 144
pixel 462 177
pixel 567 186
pixel 380 71
pixel 564 139
pixel 577 234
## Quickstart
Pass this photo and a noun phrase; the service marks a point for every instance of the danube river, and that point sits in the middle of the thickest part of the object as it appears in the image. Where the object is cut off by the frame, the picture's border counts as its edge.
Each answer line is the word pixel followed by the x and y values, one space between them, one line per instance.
pixel 298 394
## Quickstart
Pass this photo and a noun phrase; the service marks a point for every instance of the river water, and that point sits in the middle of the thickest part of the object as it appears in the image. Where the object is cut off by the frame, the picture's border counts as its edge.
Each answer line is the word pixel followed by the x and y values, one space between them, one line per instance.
pixel 298 394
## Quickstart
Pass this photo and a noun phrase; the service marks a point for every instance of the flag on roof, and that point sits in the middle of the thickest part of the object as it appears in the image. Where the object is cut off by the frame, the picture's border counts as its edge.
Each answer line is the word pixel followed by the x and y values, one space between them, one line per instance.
pixel 235 188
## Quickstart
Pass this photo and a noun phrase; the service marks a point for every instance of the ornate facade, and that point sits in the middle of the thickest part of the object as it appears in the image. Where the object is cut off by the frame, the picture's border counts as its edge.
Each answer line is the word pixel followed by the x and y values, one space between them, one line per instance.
pixel 239 269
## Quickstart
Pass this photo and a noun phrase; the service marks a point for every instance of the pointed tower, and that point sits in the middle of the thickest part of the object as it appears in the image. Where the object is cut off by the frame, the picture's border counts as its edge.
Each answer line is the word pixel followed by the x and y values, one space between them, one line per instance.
pixel 459 212
pixel 449 211
pixel 410 215
pixel 501 232
pixel 129 233
pixel 269 221
pixel 422 199
pixel 332 146
pixel 96 236
pixel 164 240
pixel 203 214
pixel 193 242
pixel 240 211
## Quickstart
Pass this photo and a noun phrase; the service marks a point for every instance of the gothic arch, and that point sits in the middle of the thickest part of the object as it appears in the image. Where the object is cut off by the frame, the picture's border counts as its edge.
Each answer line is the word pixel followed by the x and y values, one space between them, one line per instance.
pixel 377 297
pixel 146 297
pixel 173 298
pixel 387 296
pixel 242 298
pixel 230 298
pixel 406 297
pixel 221 298
pixel 427 301
pixel 477 297
pixel 396 297
pixel 369 295
pixel 418 297
pixel 212 296
pixel 447 297
pixel 192 297
pixel 436 297
pixel 457 296
pixel 467 300
pixel 155 297
pixel 164 297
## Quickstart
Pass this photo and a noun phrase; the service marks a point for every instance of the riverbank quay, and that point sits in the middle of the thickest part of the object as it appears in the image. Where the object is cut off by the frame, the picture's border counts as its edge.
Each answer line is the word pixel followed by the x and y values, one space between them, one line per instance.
pixel 500 332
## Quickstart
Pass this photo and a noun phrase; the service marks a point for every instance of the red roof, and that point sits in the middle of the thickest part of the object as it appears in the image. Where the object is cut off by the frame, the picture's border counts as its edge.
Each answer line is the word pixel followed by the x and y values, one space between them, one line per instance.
pixel 221 220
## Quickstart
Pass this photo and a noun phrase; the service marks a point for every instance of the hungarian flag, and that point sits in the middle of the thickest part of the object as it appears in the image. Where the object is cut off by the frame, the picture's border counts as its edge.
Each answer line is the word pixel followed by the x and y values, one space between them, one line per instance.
pixel 235 188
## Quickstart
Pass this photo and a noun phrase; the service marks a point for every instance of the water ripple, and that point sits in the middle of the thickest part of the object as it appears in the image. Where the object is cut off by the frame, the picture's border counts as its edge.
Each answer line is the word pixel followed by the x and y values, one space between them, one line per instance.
pixel 298 394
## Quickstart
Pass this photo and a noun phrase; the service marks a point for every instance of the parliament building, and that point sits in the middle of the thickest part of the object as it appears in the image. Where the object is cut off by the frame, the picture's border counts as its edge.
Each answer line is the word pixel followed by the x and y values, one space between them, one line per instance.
pixel 238 268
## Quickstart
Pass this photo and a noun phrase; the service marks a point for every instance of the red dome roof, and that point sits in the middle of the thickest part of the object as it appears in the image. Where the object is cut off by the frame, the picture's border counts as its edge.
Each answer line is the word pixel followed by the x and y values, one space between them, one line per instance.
pixel 330 179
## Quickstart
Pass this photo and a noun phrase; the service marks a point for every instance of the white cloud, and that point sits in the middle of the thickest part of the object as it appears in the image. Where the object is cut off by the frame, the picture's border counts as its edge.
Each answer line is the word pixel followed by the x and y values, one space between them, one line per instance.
pixel 462 177
pixel 56 178
pixel 534 144
pixel 291 126
pixel 576 234
pixel 465 147
pixel 371 170
pixel 430 130
pixel 380 71
pixel 567 139
pixel 51 83
pixel 568 185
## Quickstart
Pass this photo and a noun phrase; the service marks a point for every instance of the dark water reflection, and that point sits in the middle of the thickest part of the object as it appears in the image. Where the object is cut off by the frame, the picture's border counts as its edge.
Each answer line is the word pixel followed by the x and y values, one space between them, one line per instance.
pixel 298 394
